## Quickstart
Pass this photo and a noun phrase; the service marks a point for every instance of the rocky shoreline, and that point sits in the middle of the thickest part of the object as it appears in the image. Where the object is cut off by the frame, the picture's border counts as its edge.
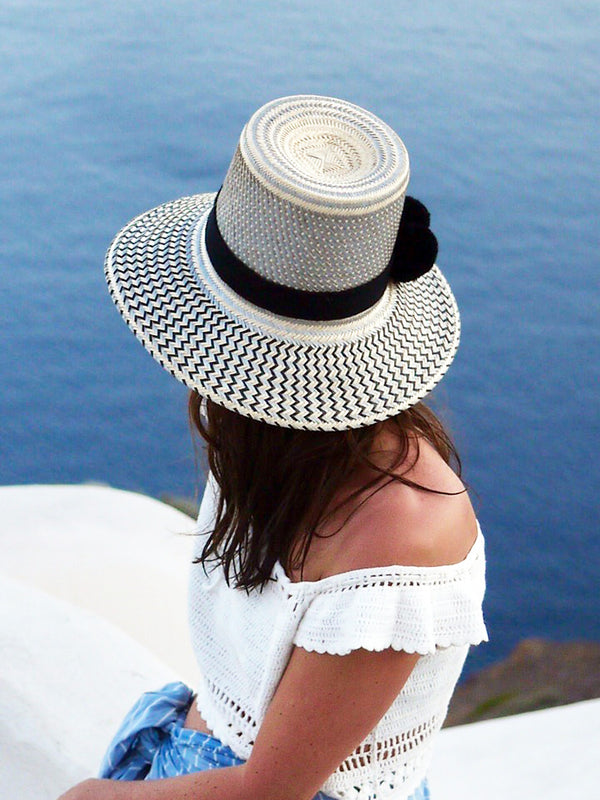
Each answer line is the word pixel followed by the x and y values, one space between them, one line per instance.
pixel 537 674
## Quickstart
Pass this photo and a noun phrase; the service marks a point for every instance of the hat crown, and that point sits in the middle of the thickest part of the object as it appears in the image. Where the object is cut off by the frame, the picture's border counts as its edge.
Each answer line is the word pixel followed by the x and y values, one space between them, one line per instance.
pixel 314 194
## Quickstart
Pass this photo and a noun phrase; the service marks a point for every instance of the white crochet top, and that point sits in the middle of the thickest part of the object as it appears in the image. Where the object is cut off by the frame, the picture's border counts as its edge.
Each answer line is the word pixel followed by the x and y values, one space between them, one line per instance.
pixel 243 642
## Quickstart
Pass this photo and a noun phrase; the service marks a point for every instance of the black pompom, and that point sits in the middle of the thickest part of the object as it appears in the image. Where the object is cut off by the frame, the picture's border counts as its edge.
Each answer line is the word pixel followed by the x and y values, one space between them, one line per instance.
pixel 416 246
pixel 414 211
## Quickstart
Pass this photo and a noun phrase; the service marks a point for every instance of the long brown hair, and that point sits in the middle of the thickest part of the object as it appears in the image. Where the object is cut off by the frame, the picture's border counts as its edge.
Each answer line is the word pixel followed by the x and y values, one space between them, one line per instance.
pixel 277 485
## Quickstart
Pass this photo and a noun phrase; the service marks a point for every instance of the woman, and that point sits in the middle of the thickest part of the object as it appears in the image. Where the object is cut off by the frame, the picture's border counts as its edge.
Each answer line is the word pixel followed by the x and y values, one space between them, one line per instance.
pixel 339 570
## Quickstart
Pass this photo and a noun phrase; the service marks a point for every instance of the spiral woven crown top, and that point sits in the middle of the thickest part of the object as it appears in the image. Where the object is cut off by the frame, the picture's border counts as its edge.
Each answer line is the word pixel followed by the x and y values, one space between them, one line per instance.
pixel 325 153
pixel 313 196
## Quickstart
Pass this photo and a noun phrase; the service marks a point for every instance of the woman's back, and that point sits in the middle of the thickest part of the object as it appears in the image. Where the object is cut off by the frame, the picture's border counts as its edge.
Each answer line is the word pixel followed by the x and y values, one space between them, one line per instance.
pixel 407 626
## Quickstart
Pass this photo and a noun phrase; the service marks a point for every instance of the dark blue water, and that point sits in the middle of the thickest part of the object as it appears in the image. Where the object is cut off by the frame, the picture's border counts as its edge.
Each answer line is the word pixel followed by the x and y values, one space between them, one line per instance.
pixel 111 108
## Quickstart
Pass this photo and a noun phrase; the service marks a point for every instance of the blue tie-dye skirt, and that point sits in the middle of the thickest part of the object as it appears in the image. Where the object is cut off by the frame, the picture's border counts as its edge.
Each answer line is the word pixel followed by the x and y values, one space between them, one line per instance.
pixel 152 743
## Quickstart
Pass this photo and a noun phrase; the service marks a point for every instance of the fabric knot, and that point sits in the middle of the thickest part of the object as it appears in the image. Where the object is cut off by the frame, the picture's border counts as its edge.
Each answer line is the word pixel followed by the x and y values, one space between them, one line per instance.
pixel 416 247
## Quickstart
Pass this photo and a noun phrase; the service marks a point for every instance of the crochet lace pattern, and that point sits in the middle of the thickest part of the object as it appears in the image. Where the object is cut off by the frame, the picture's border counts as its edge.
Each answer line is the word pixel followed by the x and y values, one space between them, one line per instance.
pixel 243 642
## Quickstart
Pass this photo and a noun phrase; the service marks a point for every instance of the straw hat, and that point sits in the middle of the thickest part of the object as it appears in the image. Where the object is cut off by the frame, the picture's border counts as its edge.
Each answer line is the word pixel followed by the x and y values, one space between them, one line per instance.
pixel 300 294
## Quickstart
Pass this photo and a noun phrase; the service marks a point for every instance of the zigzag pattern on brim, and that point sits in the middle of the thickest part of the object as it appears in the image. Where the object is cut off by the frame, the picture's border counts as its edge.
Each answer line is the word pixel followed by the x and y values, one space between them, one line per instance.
pixel 333 384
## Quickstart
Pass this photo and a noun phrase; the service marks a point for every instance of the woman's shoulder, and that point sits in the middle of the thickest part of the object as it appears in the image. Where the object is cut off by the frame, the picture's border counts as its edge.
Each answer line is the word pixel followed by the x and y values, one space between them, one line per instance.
pixel 399 524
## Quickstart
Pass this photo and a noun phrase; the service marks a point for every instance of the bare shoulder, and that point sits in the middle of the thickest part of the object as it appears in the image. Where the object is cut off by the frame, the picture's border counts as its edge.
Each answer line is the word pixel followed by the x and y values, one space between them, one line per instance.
pixel 400 524
pixel 431 528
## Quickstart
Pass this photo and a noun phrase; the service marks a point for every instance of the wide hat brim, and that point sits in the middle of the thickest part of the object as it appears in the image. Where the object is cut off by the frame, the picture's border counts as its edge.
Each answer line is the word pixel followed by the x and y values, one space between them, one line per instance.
pixel 291 373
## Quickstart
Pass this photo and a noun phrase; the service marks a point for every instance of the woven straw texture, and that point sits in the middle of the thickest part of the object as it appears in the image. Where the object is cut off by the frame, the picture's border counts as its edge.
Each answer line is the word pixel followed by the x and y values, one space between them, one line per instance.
pixel 349 375
pixel 317 184
pixel 312 201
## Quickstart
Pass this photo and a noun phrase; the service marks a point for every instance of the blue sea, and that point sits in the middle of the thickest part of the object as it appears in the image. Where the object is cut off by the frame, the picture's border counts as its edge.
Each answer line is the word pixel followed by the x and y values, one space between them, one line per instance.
pixel 111 108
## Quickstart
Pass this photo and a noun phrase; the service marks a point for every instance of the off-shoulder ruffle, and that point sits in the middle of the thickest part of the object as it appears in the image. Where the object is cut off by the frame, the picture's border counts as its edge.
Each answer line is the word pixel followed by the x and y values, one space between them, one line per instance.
pixel 407 608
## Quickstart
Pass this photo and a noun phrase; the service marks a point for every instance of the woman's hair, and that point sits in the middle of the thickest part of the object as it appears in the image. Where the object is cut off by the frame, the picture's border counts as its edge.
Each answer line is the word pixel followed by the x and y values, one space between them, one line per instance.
pixel 277 485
